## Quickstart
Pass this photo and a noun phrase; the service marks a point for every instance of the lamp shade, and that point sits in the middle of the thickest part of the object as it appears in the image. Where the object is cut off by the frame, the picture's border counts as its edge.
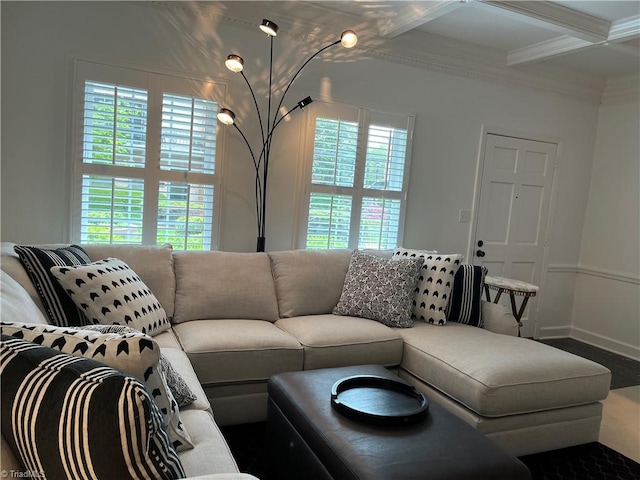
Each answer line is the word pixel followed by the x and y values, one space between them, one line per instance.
pixel 348 39
pixel 226 116
pixel 235 63
pixel 304 102
pixel 269 27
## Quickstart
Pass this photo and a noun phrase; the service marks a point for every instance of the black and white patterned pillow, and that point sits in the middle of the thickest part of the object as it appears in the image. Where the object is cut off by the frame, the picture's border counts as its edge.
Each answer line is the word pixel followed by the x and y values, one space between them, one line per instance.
pixel 411 253
pixel 178 387
pixel 466 297
pixel 434 287
pixel 62 311
pixel 109 292
pixel 131 352
pixel 379 289
pixel 72 417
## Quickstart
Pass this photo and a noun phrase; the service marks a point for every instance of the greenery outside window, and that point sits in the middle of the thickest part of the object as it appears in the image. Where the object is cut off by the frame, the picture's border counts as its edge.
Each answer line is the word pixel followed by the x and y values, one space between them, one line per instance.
pixel 145 166
pixel 358 176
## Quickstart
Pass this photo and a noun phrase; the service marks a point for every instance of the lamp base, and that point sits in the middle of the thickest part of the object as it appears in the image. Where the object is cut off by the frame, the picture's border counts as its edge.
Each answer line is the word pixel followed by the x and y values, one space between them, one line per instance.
pixel 261 243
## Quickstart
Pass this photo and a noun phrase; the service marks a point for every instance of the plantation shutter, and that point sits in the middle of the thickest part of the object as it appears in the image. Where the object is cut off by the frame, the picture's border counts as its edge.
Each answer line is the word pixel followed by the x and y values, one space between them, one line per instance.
pixel 146 162
pixel 357 190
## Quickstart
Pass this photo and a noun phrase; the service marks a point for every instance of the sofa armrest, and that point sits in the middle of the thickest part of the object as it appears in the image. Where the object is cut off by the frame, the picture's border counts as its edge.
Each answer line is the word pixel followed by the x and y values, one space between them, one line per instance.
pixel 499 319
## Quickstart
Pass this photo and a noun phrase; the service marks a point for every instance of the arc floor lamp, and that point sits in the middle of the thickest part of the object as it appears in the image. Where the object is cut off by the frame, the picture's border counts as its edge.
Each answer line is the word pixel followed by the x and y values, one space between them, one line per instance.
pixel 235 63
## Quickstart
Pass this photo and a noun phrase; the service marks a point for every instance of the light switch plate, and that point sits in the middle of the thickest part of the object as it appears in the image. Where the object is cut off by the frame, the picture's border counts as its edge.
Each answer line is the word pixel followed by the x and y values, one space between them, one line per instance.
pixel 464 216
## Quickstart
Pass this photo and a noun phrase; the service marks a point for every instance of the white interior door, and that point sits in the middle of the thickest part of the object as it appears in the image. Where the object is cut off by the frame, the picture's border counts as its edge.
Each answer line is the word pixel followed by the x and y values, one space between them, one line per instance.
pixel 513 210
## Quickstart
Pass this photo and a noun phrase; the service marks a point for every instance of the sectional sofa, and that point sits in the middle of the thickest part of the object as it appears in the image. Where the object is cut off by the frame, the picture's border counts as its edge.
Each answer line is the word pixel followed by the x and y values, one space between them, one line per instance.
pixel 239 318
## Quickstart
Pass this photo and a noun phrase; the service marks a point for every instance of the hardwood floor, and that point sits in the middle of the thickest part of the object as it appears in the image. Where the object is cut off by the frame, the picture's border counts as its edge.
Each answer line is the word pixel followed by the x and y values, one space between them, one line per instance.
pixel 625 372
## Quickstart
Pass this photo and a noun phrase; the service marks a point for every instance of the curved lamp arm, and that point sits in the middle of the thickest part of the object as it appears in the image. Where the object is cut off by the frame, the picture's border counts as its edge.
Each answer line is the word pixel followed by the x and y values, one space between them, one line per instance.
pixel 255 102
pixel 296 75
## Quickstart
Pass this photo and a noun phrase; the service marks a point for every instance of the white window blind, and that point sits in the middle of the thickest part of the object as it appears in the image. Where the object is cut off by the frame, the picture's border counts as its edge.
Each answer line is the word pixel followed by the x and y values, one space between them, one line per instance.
pixel 358 177
pixel 146 162
pixel 188 134
pixel 112 209
pixel 185 212
pixel 115 125
pixel 329 221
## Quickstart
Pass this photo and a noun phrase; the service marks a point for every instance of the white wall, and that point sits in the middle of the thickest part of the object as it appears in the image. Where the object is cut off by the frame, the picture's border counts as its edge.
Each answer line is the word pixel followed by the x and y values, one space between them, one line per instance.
pixel 606 309
pixel 40 40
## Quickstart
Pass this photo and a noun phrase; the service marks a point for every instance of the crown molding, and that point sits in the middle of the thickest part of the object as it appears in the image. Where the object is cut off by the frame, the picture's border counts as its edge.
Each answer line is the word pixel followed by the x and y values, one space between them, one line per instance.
pixel 546 50
pixel 621 31
pixel 625 29
pixel 623 89
pixel 557 17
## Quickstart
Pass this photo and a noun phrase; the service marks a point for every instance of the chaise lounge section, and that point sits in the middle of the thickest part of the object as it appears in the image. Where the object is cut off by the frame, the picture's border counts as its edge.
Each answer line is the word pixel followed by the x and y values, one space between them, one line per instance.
pixel 240 318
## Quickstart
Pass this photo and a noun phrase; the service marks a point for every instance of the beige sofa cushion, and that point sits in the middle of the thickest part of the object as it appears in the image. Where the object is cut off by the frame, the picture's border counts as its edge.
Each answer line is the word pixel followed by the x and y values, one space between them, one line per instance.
pixel 211 453
pixel 308 282
pixel 238 351
pixel 498 319
pixel 222 285
pixel 460 360
pixel 154 265
pixel 337 341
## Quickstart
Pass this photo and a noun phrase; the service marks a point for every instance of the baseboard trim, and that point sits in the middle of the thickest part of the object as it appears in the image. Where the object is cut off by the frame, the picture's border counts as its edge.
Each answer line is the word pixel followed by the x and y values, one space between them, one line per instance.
pixel 549 333
pixel 606 343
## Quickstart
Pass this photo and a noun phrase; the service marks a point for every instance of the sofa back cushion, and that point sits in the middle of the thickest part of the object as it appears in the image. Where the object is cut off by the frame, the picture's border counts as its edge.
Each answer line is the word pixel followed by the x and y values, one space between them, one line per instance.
pixel 71 417
pixel 224 285
pixel 154 266
pixel 308 282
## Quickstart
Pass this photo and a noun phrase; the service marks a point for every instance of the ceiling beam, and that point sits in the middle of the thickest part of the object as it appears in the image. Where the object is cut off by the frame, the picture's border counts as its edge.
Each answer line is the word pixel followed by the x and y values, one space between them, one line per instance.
pixel 621 31
pixel 413 14
pixel 555 17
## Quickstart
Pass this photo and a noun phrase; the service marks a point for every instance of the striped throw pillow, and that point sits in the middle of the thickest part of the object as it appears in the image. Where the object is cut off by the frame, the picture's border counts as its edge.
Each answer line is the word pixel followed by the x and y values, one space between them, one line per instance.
pixel 466 296
pixel 38 262
pixel 74 418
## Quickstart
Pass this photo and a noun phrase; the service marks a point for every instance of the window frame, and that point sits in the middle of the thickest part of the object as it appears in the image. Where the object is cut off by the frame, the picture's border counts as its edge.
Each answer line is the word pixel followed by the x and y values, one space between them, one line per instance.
pixel 156 83
pixel 363 117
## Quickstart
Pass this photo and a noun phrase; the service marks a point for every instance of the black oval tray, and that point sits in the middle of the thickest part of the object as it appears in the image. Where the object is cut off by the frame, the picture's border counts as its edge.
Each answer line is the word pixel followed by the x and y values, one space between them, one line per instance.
pixel 378 400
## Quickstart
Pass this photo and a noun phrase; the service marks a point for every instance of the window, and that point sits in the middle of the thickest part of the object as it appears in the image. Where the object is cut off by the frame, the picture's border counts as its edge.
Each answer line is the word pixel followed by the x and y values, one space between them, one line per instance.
pixel 359 161
pixel 146 168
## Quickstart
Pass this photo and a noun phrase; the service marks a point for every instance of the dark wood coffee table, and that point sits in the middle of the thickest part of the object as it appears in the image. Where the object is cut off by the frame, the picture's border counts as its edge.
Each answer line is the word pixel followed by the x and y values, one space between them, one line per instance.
pixel 308 439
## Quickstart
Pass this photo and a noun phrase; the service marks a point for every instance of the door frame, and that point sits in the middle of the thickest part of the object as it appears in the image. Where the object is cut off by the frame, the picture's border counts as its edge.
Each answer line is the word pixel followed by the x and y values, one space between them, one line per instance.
pixel 525 135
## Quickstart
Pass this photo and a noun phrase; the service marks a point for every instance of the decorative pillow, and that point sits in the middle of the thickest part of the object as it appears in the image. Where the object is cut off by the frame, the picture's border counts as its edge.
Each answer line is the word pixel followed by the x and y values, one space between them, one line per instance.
pixel 379 289
pixel 410 253
pixel 62 311
pixel 178 387
pixel 110 293
pixel 466 297
pixel 72 417
pixel 133 353
pixel 434 287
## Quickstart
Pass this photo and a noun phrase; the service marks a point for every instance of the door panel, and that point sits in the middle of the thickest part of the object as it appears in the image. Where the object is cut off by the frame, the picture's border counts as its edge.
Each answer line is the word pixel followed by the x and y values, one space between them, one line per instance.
pixel 513 210
pixel 497 218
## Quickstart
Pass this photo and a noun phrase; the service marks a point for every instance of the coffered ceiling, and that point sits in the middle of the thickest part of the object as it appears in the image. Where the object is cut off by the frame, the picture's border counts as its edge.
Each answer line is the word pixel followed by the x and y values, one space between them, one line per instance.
pixel 578 44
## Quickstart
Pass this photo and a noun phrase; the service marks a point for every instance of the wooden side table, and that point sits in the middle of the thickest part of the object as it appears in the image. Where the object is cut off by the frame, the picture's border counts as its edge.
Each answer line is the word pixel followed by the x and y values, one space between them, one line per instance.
pixel 515 288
